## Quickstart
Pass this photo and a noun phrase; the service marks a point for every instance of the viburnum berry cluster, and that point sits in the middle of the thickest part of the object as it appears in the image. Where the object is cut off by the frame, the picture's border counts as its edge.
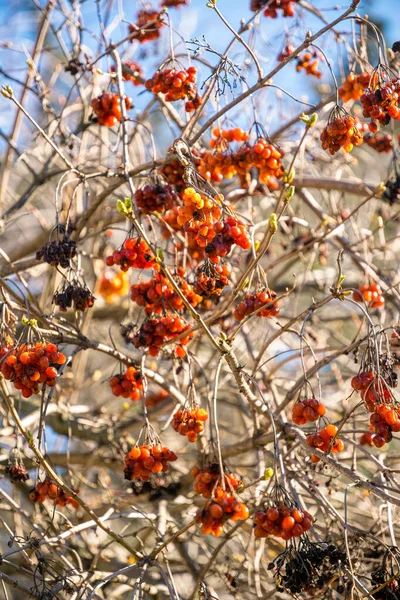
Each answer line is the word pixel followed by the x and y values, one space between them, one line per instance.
pixel 263 156
pixel 211 279
pixel 29 365
pixel 392 191
pixel 49 489
pixel 155 331
pixel 15 468
pixel 286 52
pixel 174 3
pixel 198 215
pixel 143 461
pixel 323 439
pixel 157 294
pixel 254 302
pixel 354 85
pixel 222 137
pixel 113 285
pixel 173 173
pixel 74 294
pixel 190 422
pixel 379 142
pixel 128 384
pixel 282 521
pixel 307 411
pixel 134 254
pixel 147 26
pixel 223 506
pixel 384 420
pixel 176 85
pixel 307 567
pixel 309 62
pixel 131 71
pixel 340 132
pixel 382 102
pixel 107 108
pixel 230 232
pixel 156 198
pixel 286 6
pixel 371 294
pixel 208 478
pixel 58 253
pixel 379 400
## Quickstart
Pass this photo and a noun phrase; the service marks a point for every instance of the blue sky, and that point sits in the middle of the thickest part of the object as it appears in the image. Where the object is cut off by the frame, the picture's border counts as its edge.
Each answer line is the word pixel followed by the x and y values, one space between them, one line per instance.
pixel 18 27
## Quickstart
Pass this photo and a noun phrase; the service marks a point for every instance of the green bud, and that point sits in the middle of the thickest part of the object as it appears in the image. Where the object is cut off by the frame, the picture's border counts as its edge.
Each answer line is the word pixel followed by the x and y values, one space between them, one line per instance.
pixel 309 121
pixel 268 473
pixel 121 208
pixel 29 322
pixel 288 176
pixel 273 223
pixel 128 203
pixel 160 253
pixel 290 193
pixel 7 91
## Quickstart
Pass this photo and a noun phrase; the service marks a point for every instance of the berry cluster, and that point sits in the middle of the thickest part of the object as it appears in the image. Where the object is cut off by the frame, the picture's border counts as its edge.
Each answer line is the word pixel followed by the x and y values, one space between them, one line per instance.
pixel 176 85
pixel 156 293
pixel 379 142
pixel 254 302
pixel 76 294
pixel 341 132
pixel 128 384
pixel 156 198
pixel 383 102
pixel 208 480
pixel 383 421
pixel 107 108
pixel 222 137
pixel 154 332
pixel 286 6
pixel 198 216
pixel 392 191
pixel 307 411
pixel 131 71
pixel 372 390
pixel 282 521
pixel 134 253
pixel 322 440
pixel 223 505
pixel 174 3
pixel 371 294
pixel 49 489
pixel 113 285
pixel 307 567
pixel 142 461
pixel 58 253
pixel 262 156
pixel 190 422
pixel 147 26
pixel 231 231
pixel 29 365
pixel 211 279
pixel 15 467
pixel 286 52
pixel 309 61
pixel 173 173
pixel 354 85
